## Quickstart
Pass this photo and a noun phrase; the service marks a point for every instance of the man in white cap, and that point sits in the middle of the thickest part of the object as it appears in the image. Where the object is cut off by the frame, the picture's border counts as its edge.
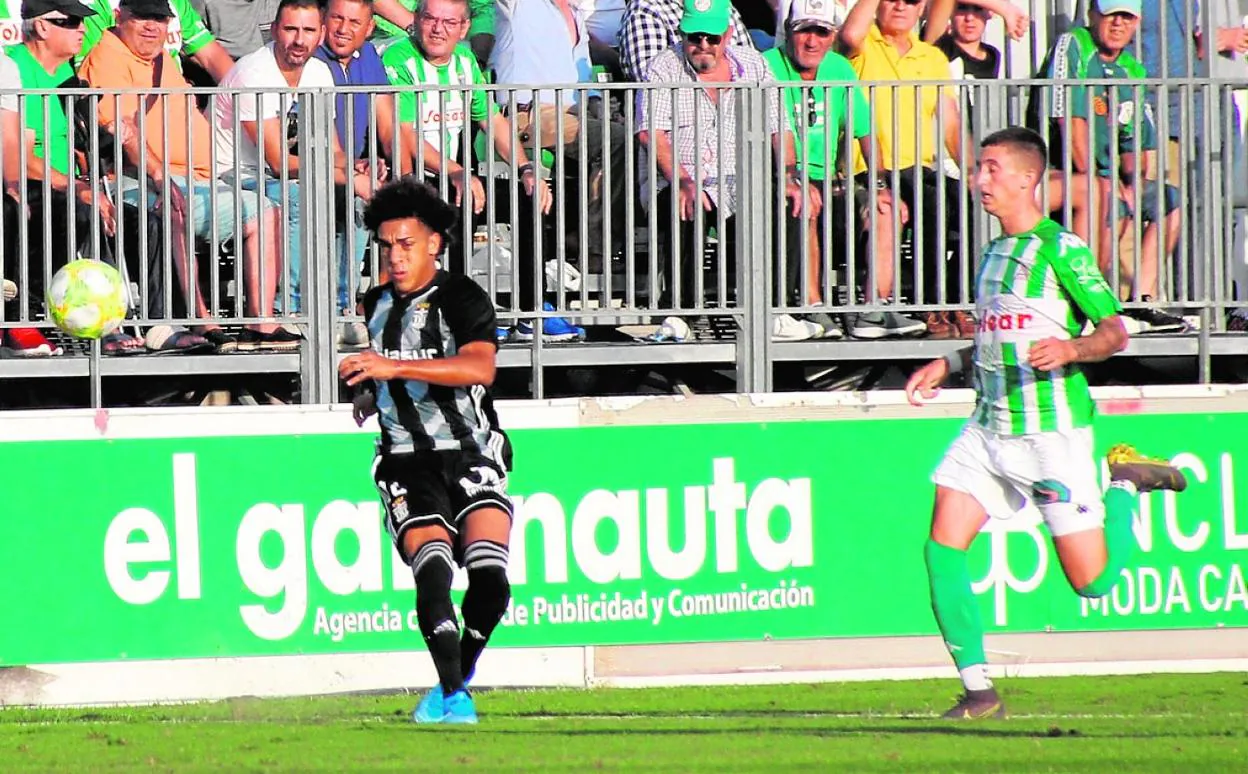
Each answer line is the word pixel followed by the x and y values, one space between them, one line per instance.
pixel 817 116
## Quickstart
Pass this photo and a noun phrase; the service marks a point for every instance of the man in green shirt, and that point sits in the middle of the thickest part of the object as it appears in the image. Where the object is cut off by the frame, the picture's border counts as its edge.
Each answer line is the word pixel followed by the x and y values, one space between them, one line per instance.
pixel 396 20
pixel 434 125
pixel 1100 120
pixel 817 117
pixel 188 36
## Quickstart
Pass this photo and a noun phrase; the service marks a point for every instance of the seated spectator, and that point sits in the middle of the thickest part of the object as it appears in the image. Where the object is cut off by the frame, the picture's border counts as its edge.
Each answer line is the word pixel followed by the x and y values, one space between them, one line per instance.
pixel 354 61
pixel 691 126
pixel 134 59
pixel 1098 52
pixel 53 35
pixel 817 117
pixel 653 26
pixel 546 41
pixel 1229 60
pixel 431 128
pixel 188 36
pixel 240 26
pixel 286 63
pixel 880 38
pixel 395 20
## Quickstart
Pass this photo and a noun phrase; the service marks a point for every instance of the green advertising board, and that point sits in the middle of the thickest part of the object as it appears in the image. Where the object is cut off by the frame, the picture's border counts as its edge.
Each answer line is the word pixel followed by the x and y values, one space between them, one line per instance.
pixel 265 545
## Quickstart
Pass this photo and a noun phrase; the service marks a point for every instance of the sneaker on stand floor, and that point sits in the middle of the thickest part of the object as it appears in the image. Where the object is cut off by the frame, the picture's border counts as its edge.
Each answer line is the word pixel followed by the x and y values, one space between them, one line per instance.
pixel 938 325
pixel 885 324
pixel 1237 324
pixel 8 290
pixel 30 342
pixel 963 325
pixel 672 329
pixel 553 329
pixel 353 335
pixel 977 705
pixel 1157 320
pixel 831 329
pixel 786 327
pixel 1147 473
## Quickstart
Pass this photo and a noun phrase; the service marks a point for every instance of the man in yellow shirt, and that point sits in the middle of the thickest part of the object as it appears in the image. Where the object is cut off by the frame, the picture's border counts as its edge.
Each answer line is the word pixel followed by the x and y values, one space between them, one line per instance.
pixel 881 40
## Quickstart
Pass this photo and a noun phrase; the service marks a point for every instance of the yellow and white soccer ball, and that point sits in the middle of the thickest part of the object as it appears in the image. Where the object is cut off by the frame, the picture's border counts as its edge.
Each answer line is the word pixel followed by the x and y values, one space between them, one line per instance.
pixel 87 299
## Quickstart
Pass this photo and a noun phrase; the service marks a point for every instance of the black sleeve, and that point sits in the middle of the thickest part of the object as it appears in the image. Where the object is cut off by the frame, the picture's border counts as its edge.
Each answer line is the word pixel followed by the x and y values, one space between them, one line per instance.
pixel 469 312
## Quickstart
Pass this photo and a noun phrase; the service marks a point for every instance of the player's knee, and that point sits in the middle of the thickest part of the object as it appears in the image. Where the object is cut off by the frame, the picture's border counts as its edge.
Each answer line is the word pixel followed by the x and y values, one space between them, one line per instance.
pixel 486 562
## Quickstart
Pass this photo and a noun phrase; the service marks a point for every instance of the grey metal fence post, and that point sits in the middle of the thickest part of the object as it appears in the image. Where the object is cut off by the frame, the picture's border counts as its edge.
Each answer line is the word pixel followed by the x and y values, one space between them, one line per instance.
pixel 316 188
pixel 753 251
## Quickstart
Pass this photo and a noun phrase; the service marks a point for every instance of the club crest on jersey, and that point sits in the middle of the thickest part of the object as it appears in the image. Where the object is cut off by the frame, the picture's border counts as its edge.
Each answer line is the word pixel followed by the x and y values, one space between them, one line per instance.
pixel 419 314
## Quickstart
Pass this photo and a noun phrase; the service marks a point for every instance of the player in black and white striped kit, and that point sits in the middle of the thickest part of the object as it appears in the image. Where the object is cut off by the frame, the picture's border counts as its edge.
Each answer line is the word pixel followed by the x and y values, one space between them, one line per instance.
pixel 442 460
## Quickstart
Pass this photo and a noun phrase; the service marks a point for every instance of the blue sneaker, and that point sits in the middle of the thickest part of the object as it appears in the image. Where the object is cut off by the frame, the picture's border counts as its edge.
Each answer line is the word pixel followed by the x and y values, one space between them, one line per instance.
pixel 553 328
pixel 431 708
pixel 501 334
pixel 459 708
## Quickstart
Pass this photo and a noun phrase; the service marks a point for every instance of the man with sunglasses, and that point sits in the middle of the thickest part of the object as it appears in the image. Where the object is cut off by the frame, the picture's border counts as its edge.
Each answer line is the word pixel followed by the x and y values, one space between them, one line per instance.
pixel 692 133
pixel 818 116
pixel 880 38
pixel 1099 125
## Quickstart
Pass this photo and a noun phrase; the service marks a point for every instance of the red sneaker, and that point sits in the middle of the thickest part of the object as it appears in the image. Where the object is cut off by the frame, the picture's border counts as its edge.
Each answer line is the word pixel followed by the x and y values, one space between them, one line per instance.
pixel 29 342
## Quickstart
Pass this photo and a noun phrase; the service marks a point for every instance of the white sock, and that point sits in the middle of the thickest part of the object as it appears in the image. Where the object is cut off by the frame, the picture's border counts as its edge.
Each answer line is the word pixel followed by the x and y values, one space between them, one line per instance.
pixel 1125 485
pixel 975 678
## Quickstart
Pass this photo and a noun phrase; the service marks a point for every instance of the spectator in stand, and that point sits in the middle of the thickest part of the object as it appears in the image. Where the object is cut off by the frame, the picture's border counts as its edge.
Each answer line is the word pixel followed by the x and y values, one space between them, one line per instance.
pixel 396 21
pixel 1230 61
pixel 1098 52
pixel 135 59
pixel 431 127
pixel 187 35
pixel 653 26
pixel 806 56
pixel 969 56
pixel 686 144
pixel 546 41
pixel 604 19
pixel 941 12
pixel 882 43
pixel 240 26
pixel 286 63
pixel 354 61
pixel 53 35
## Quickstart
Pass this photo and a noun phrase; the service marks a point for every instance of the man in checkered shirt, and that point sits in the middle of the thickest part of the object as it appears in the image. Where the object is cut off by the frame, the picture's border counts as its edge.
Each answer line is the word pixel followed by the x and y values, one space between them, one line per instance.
pixel 692 133
pixel 651 27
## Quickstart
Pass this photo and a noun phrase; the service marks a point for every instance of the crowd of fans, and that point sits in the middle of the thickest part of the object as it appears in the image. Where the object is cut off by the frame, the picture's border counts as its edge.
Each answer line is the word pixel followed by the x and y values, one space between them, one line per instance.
pixel 197 173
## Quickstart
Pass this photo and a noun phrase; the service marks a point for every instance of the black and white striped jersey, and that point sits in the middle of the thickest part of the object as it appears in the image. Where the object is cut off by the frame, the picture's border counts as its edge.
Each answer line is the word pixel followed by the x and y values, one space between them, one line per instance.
pixel 434 322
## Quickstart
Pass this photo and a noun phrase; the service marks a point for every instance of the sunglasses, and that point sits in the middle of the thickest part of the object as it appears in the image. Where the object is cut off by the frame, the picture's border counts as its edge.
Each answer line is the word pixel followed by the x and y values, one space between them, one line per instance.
pixel 65 22
pixel 906 2
pixel 697 38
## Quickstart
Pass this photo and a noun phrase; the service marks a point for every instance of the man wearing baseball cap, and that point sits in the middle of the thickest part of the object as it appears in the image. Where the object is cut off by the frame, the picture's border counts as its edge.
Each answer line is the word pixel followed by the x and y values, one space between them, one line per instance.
pixel 816 117
pixel 1091 123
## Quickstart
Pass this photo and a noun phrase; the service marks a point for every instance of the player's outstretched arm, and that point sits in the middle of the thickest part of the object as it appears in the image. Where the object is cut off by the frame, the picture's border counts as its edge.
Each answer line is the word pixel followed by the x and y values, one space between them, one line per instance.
pixel 925 383
pixel 1107 339
pixel 473 364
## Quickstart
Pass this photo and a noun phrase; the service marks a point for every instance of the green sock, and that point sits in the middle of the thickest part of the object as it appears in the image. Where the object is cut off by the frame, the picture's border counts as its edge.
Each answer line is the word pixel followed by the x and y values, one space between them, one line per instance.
pixel 953 602
pixel 1120 540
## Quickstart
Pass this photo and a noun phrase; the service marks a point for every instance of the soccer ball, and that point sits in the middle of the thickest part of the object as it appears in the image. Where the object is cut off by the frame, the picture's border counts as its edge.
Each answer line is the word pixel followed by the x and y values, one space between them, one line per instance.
pixel 87 299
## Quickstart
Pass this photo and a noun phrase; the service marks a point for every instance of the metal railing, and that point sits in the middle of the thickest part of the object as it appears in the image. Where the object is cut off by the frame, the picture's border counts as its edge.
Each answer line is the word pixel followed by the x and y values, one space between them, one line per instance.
pixel 614 254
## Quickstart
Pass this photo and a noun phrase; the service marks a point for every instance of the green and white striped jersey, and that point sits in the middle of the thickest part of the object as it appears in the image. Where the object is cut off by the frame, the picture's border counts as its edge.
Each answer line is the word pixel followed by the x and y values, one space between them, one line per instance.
pixel 1037 285
pixel 439 117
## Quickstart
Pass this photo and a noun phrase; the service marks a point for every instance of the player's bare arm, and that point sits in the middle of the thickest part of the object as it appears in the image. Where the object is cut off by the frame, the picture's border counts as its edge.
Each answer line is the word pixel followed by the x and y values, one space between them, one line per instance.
pixel 925 383
pixel 1107 339
pixel 473 364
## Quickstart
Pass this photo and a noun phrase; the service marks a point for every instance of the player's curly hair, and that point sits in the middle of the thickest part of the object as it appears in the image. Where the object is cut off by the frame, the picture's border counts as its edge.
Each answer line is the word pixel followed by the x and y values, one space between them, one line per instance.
pixel 411 197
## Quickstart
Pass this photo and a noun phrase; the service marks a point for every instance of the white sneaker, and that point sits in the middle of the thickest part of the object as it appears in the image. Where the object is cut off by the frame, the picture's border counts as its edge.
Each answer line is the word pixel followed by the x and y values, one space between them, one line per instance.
pixel 353 335
pixel 788 328
pixel 9 290
pixel 672 329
